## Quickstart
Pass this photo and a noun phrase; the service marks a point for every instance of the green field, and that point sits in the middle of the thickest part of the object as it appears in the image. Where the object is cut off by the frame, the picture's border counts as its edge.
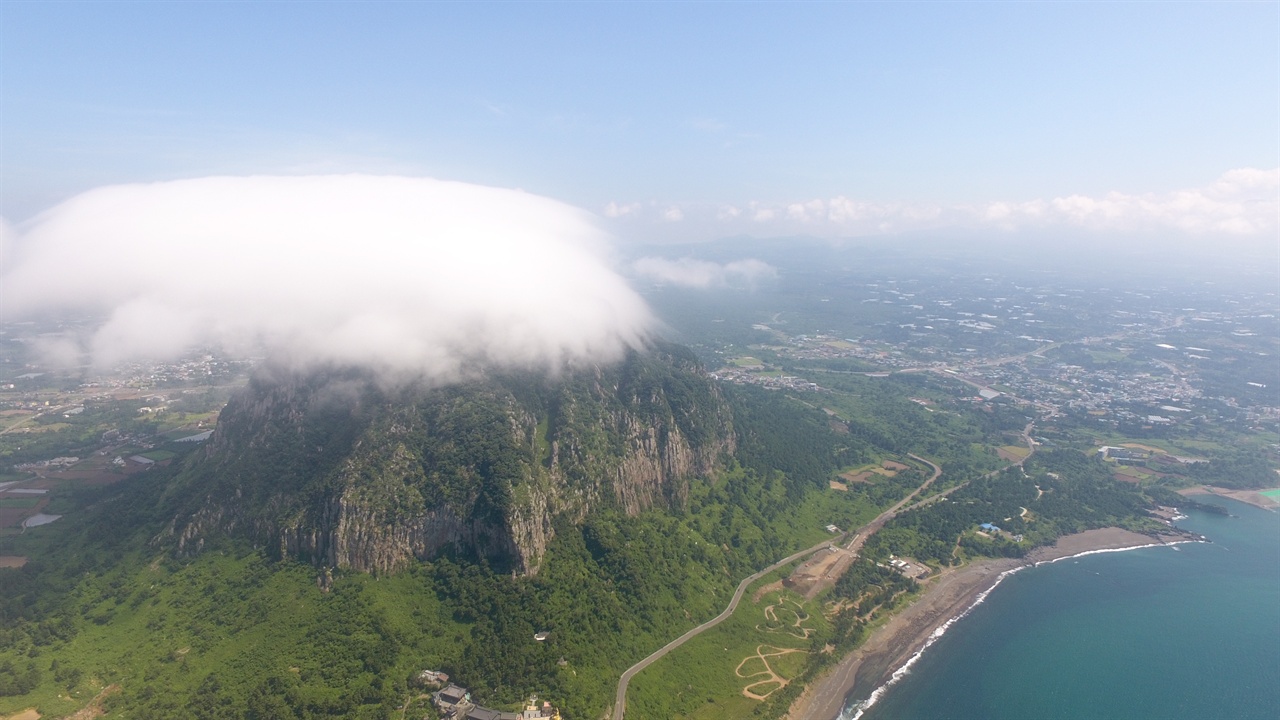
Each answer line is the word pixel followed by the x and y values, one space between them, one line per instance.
pixel 706 677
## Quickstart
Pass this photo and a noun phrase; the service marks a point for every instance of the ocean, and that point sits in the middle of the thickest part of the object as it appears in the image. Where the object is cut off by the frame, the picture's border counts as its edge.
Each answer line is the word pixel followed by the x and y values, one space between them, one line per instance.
pixel 1188 632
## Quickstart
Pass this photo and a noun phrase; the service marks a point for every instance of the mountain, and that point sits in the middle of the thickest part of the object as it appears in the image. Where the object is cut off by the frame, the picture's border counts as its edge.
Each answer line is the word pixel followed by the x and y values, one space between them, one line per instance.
pixel 339 469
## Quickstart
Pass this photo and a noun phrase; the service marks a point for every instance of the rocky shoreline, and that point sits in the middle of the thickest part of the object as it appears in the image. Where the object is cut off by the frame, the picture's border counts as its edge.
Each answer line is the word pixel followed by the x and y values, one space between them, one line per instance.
pixel 946 596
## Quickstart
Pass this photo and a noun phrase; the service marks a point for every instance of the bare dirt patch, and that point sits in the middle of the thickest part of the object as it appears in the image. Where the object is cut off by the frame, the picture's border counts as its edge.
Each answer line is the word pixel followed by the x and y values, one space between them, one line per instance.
pixel 888 468
pixel 13 517
pixel 1139 446
pixel 770 677
pixel 765 590
pixel 94 708
pixel 1251 497
pixel 809 578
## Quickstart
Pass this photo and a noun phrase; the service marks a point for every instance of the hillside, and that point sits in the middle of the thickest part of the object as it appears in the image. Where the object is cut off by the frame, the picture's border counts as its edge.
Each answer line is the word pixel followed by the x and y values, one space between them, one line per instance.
pixel 339 470
pixel 639 493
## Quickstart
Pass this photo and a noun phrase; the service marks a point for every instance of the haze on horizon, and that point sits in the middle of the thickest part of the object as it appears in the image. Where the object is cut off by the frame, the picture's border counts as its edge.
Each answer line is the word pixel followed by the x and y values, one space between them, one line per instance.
pixel 1147 126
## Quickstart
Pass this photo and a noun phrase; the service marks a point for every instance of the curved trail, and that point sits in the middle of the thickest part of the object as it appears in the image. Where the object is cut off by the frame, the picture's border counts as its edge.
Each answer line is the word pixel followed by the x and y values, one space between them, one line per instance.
pixel 620 699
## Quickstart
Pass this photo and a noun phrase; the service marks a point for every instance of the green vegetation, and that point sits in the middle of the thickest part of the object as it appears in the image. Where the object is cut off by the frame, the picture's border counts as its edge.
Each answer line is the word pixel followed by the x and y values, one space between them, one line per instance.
pixel 710 676
pixel 237 631
pixel 704 678
pixel 232 629
pixel 231 632
pixel 1061 492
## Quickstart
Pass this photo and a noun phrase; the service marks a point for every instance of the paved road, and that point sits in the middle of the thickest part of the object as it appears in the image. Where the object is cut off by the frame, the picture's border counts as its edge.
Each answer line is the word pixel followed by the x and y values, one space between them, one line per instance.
pixel 1031 448
pixel 870 528
pixel 620 700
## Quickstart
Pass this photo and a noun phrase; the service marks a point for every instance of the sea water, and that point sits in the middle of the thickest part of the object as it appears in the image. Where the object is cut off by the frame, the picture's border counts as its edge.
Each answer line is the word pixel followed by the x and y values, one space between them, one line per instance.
pixel 1186 632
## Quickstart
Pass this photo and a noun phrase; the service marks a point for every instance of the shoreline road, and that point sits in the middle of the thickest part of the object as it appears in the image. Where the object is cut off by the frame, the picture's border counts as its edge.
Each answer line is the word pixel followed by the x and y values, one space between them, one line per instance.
pixel 620 700
pixel 861 534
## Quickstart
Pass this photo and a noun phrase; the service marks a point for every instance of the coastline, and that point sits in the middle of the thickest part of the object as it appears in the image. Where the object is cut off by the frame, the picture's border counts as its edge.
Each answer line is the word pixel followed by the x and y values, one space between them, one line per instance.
pixel 945 598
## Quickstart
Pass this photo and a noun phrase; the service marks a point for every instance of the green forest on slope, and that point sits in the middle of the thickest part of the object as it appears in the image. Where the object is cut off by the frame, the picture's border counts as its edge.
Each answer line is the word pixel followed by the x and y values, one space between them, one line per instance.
pixel 233 632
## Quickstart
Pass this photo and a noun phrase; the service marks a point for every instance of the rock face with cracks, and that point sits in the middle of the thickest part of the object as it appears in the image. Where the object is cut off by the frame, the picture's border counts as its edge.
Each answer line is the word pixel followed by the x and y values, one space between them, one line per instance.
pixel 337 469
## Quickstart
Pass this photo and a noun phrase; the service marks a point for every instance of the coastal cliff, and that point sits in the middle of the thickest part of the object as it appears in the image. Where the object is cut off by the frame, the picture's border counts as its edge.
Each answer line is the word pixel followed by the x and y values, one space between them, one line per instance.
pixel 339 470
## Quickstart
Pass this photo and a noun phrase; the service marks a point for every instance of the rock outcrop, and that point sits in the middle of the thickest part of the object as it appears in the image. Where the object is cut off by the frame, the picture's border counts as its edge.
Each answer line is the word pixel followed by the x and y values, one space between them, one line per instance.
pixel 334 468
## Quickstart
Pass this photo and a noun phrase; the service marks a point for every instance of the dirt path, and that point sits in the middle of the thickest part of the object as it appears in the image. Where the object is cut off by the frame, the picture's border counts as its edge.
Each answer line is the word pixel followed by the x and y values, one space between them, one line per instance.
pixel 796 629
pixel 773 677
pixel 620 698
pixel 94 708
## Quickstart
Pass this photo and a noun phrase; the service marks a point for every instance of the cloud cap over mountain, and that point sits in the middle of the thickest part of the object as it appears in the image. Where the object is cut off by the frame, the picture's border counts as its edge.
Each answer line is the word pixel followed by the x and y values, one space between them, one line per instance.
pixel 394 273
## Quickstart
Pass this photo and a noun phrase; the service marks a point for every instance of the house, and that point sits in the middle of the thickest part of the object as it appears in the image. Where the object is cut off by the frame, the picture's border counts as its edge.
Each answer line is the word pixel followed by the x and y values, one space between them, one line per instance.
pixel 452 695
pixel 532 711
pixel 482 713
pixel 433 677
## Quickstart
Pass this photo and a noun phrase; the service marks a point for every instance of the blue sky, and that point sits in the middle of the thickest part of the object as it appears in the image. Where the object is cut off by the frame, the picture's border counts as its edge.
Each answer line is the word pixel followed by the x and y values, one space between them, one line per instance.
pixel 674 120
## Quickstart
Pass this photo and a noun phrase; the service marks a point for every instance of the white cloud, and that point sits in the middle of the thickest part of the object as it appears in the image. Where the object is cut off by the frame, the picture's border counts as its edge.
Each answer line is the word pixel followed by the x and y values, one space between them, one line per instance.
pixel 617 210
pixel 403 274
pixel 689 272
pixel 811 211
pixel 1242 203
pixel 727 212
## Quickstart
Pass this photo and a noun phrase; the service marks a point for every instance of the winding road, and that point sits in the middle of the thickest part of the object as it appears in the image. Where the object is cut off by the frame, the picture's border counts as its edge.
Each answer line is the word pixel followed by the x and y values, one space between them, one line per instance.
pixel 620 700
pixel 860 536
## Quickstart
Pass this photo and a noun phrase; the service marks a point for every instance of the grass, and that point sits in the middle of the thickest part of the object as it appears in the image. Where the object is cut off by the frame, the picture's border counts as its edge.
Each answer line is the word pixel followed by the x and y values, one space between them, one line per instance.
pixel 699 680
pixel 1018 451
pixel 159 625
pixel 51 427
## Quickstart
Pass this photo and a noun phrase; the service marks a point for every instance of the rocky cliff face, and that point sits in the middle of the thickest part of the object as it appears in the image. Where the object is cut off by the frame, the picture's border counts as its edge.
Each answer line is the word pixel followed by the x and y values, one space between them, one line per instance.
pixel 332 468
